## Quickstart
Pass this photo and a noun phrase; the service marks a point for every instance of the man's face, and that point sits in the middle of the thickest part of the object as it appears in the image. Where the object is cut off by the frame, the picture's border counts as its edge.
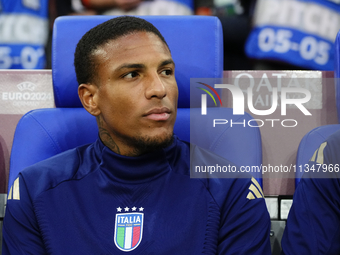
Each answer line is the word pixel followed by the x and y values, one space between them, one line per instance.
pixel 136 93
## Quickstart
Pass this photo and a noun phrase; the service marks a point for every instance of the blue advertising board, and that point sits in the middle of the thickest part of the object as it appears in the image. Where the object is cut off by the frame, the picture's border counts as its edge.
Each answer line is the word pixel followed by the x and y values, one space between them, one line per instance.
pixel 298 32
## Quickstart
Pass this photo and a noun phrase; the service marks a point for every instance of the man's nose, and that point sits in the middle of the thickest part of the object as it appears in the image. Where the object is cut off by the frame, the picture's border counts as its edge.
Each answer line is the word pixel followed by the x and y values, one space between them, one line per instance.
pixel 155 87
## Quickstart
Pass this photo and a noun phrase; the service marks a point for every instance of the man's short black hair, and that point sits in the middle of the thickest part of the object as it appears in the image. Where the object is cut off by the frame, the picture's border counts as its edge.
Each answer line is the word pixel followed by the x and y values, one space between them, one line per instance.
pixel 112 29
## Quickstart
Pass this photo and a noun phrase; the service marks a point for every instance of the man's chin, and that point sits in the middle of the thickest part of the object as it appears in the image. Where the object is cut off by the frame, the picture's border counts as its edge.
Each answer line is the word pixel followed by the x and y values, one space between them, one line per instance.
pixel 147 144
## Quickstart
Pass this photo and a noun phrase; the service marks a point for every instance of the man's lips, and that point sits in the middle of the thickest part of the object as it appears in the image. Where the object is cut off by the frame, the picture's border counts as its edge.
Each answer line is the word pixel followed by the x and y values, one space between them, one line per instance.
pixel 158 114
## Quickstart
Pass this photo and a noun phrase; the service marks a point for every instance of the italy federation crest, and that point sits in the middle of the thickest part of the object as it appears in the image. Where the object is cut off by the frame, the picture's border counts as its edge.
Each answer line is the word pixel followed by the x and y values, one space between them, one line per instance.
pixel 128 230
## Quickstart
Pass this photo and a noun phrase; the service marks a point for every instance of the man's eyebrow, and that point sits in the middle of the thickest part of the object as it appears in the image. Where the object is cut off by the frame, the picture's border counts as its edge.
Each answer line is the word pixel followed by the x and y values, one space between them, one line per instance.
pixel 130 66
pixel 167 62
pixel 141 66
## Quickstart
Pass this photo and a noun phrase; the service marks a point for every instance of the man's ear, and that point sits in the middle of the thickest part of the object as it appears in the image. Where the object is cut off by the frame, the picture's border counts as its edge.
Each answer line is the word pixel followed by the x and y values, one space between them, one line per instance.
pixel 88 97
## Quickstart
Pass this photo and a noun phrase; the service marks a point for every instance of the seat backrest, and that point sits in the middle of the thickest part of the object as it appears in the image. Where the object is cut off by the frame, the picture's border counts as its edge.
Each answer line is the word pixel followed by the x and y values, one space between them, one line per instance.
pixel 309 144
pixel 313 139
pixel 196 46
pixel 337 73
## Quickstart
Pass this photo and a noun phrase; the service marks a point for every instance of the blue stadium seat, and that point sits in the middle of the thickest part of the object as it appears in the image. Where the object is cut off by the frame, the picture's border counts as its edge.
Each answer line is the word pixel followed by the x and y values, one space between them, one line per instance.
pixel 198 53
pixel 309 143
pixel 337 73
pixel 312 140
